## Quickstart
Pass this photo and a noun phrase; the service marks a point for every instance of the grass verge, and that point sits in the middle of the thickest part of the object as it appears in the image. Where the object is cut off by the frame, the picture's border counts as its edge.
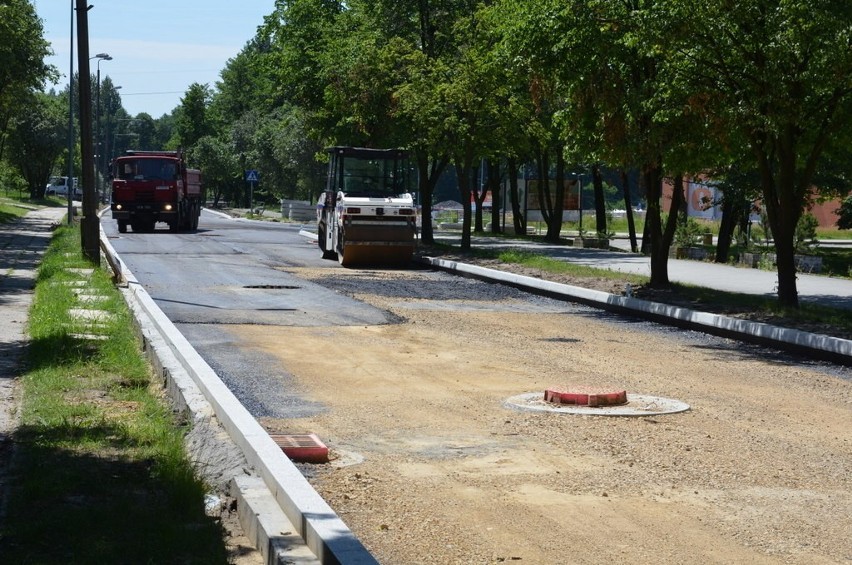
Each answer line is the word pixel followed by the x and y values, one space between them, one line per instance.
pixel 99 473
pixel 808 317
pixel 11 210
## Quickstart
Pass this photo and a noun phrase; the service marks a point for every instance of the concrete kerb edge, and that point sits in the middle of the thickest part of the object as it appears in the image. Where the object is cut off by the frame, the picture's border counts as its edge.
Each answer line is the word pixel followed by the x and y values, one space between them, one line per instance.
pixel 322 530
pixel 820 346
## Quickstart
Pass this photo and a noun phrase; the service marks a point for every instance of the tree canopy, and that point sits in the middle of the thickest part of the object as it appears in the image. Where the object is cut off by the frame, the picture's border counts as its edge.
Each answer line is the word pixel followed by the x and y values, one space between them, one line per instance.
pixel 759 89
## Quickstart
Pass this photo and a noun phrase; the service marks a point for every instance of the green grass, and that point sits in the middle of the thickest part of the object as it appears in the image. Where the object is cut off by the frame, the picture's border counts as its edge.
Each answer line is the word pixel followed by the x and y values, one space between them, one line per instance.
pixel 697 297
pixel 808 317
pixel 10 210
pixel 100 471
pixel 14 207
pixel 544 263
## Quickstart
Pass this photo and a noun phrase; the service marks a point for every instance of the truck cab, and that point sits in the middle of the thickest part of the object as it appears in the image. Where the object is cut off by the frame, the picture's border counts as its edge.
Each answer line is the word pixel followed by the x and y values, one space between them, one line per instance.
pixel 155 186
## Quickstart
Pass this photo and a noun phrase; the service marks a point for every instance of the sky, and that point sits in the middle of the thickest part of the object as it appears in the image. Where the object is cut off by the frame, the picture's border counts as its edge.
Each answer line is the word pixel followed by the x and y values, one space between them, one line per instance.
pixel 158 47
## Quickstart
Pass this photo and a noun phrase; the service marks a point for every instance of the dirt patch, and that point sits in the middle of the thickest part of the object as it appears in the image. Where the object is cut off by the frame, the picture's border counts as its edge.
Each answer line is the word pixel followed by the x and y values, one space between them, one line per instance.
pixel 759 470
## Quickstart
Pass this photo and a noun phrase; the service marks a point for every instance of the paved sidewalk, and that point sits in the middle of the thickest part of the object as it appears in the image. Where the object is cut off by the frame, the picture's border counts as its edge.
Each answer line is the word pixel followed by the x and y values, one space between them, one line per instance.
pixel 828 291
pixel 22 245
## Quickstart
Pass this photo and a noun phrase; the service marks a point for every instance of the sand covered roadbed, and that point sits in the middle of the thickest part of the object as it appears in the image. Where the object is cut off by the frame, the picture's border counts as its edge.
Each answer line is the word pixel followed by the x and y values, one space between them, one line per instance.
pixel 432 467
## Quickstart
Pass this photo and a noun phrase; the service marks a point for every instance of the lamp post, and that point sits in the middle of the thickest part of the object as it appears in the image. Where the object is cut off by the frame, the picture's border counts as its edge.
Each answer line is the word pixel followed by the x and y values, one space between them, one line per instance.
pixel 98 149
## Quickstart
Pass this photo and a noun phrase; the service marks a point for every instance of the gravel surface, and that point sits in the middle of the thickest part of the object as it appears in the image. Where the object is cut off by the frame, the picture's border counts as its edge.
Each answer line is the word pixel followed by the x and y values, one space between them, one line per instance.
pixel 430 466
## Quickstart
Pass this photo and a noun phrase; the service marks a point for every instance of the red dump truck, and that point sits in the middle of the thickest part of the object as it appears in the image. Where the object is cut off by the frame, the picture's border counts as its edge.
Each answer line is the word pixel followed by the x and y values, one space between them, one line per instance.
pixel 155 186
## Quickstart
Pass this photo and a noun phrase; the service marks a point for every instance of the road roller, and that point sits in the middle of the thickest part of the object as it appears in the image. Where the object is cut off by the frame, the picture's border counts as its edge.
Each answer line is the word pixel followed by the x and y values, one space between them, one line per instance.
pixel 366 215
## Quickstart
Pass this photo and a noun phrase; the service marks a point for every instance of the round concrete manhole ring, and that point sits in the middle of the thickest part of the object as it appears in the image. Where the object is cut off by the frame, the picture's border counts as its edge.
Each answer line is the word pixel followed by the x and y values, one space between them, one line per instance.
pixel 586 395
pixel 637 405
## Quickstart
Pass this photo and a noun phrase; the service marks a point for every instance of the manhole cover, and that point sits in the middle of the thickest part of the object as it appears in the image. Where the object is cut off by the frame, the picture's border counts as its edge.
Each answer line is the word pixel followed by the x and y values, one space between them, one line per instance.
pixel 637 405
pixel 586 396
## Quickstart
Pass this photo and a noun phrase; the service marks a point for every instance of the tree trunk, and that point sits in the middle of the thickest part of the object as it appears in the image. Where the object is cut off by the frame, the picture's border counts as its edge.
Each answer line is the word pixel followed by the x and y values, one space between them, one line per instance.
pixel 463 168
pixel 646 231
pixel 628 207
pixel 653 225
pixel 4 127
pixel 600 202
pixel 554 226
pixel 496 197
pixel 519 221
pixel 479 196
pixel 783 220
pixel 544 185
pixel 429 170
pixel 734 213
pixel 677 213
pixel 784 202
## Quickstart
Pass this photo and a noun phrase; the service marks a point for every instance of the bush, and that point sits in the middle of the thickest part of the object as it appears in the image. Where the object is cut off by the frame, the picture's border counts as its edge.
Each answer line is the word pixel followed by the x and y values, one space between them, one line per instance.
pixel 806 233
pixel 688 233
pixel 11 180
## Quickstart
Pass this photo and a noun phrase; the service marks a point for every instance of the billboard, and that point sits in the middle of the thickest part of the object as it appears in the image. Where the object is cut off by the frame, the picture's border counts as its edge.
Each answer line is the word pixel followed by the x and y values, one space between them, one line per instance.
pixel 702 201
pixel 570 199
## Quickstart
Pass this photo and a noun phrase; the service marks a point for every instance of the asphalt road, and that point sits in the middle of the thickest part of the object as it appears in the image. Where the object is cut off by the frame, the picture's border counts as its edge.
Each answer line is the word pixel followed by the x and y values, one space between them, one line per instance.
pixel 233 272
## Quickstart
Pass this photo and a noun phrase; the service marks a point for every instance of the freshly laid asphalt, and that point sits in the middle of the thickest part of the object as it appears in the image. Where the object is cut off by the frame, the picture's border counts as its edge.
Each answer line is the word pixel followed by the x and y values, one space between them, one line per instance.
pixel 23 243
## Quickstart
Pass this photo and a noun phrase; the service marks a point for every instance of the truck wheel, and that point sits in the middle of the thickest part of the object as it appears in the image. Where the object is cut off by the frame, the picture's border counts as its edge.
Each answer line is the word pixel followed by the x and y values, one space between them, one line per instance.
pixel 195 215
pixel 122 226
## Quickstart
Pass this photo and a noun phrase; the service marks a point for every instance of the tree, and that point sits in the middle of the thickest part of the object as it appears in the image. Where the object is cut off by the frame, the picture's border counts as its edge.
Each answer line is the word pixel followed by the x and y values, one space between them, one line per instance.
pixel 38 139
pixel 192 122
pixel 23 51
pixel 779 75
pixel 294 37
pixel 145 128
pixel 219 166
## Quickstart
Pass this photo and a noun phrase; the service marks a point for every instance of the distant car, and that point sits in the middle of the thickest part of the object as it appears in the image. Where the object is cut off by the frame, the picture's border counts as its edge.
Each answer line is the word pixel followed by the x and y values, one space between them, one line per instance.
pixel 58 186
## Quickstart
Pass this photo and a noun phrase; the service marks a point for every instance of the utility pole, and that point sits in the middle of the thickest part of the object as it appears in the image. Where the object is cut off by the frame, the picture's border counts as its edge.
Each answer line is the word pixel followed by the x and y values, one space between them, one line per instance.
pixel 69 193
pixel 90 224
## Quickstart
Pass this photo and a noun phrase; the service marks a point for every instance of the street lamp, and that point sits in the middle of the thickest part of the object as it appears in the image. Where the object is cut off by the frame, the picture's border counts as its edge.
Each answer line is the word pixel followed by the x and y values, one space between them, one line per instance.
pixel 99 156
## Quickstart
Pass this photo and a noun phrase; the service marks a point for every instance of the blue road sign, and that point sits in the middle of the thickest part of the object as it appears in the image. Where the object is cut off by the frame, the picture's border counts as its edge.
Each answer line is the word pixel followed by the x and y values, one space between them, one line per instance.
pixel 251 175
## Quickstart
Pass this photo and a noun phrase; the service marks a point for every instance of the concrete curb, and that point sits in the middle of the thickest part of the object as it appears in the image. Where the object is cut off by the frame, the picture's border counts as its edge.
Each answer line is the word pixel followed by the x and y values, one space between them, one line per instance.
pixel 322 530
pixel 814 345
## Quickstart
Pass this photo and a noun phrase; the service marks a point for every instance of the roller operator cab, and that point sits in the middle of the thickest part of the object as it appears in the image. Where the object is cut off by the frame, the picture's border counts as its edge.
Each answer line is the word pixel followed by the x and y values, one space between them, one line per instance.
pixel 155 186
pixel 367 215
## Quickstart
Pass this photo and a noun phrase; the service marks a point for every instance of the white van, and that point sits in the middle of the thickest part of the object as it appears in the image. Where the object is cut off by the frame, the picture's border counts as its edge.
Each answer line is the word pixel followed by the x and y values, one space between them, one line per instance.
pixel 58 186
